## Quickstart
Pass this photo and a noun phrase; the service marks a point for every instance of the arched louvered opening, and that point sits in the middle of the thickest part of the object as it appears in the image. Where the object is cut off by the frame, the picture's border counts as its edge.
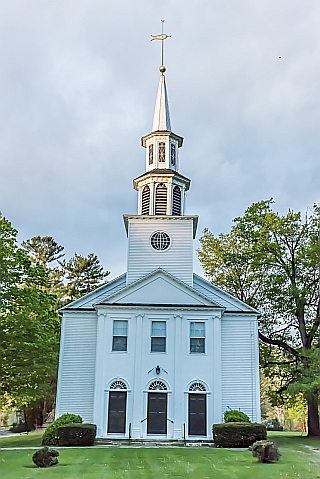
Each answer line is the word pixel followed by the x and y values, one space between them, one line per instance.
pixel 145 201
pixel 161 200
pixel 176 201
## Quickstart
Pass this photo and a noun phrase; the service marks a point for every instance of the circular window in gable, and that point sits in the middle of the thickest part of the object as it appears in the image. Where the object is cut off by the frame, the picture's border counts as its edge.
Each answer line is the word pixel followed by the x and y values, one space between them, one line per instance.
pixel 160 241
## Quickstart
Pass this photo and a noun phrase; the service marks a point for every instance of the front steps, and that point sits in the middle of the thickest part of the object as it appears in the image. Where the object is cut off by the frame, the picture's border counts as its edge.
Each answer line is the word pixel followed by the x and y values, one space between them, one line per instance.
pixel 104 442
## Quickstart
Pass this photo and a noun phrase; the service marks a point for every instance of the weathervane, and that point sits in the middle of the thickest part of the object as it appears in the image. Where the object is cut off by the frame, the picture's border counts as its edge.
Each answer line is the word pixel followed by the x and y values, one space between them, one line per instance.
pixel 162 36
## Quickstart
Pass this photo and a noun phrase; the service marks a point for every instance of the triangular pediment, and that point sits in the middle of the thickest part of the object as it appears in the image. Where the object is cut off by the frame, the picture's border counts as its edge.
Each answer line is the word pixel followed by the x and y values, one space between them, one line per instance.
pixel 159 288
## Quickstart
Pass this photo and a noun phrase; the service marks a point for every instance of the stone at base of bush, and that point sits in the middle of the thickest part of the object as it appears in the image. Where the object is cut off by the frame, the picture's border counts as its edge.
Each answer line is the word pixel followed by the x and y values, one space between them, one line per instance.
pixel 76 435
pixel 238 434
pixel 265 451
pixel 45 457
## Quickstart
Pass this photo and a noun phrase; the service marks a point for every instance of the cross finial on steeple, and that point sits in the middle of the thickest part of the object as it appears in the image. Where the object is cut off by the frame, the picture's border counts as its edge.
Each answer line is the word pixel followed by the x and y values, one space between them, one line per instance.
pixel 162 36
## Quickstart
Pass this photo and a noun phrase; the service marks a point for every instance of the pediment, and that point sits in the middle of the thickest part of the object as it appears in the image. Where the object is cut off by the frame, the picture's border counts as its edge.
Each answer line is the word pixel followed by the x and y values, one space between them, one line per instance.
pixel 159 288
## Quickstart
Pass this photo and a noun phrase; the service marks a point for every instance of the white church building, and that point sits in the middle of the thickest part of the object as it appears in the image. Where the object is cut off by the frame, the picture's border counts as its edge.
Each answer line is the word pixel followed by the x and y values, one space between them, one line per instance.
pixel 158 352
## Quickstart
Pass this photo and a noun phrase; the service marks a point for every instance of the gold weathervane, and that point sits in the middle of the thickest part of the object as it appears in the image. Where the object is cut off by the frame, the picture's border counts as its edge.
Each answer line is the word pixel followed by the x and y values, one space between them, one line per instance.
pixel 162 36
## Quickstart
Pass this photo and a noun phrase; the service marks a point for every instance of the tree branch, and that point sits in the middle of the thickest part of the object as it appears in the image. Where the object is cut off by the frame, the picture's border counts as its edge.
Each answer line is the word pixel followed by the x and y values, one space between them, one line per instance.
pixel 280 344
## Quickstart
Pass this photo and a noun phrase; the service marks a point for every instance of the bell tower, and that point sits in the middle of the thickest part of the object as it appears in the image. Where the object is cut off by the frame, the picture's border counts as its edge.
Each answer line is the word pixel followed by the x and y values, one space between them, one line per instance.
pixel 161 235
pixel 161 189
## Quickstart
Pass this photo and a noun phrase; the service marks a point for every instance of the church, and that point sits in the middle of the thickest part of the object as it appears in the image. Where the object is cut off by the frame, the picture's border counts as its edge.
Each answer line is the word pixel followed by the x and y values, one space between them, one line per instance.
pixel 158 352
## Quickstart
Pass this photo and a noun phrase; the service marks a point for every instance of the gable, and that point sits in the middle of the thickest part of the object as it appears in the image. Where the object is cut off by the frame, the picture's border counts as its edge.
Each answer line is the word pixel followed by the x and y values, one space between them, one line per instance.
pixel 159 288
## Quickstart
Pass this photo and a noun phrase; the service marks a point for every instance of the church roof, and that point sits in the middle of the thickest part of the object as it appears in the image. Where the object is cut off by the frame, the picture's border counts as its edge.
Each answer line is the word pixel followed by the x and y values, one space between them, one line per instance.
pixel 161 118
pixel 214 296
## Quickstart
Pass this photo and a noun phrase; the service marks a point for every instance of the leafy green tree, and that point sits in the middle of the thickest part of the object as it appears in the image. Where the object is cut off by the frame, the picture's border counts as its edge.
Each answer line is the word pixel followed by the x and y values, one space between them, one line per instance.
pixel 83 274
pixel 29 326
pixel 272 262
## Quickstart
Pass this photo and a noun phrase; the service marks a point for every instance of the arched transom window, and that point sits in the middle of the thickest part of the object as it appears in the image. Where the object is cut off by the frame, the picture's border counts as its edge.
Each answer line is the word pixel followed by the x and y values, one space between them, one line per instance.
pixel 157 386
pixel 118 385
pixel 197 387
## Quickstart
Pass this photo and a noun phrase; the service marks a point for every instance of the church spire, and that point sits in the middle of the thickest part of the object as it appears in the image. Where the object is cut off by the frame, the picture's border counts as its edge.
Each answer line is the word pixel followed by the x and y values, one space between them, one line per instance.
pixel 161 188
pixel 161 118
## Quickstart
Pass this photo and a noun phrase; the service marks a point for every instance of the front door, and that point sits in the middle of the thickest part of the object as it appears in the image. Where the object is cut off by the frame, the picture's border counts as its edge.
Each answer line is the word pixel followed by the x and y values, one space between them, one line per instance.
pixel 117 412
pixel 157 413
pixel 197 415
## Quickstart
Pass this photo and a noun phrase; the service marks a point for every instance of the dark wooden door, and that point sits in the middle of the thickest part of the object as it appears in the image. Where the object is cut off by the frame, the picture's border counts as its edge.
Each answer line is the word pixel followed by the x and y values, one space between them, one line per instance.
pixel 157 413
pixel 117 412
pixel 197 415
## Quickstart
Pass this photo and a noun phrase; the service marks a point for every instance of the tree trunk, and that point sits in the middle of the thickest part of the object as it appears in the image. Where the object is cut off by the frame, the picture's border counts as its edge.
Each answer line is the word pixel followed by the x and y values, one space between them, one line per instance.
pixel 313 416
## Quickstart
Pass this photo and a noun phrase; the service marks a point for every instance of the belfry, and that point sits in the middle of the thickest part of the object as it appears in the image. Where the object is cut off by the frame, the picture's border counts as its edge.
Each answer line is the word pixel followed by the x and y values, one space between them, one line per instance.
pixel 159 352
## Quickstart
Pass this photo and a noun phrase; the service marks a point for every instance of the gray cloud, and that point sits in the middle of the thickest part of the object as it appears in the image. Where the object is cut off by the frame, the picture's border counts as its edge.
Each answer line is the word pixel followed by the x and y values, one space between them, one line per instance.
pixel 77 91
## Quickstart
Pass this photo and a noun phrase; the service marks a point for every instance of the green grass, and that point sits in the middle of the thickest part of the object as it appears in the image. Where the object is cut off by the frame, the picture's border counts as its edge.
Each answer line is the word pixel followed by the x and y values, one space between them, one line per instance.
pixel 23 440
pixel 297 461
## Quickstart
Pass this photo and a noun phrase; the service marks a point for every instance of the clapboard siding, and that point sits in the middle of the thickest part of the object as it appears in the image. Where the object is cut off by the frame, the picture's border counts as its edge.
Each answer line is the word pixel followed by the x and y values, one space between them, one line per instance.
pixel 238 365
pixel 177 259
pixel 77 366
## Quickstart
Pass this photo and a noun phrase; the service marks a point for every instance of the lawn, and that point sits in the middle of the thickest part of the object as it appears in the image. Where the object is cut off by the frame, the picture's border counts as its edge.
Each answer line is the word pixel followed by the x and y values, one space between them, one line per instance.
pixel 300 459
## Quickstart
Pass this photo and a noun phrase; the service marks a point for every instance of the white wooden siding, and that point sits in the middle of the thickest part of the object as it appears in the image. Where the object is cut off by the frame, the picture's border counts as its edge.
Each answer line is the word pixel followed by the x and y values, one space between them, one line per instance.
pixel 77 366
pixel 238 365
pixel 177 259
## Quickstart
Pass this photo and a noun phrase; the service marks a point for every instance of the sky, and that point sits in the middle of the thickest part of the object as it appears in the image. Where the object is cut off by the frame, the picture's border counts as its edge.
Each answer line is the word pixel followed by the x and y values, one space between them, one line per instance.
pixel 78 83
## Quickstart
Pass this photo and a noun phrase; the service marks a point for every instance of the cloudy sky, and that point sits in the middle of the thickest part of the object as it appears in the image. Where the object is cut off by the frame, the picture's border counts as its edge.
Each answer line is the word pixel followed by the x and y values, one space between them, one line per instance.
pixel 78 81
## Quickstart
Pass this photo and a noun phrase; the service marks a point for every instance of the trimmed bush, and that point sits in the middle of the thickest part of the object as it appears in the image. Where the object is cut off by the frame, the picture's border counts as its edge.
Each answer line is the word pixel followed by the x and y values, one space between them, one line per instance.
pixel 76 435
pixel 49 437
pixel 238 434
pixel 233 415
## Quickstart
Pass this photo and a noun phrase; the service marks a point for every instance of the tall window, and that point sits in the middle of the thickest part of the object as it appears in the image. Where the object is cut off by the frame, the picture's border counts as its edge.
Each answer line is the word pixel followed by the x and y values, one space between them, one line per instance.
pixel 120 335
pixel 176 201
pixel 150 154
pixel 197 337
pixel 162 152
pixel 161 200
pixel 173 154
pixel 158 337
pixel 145 200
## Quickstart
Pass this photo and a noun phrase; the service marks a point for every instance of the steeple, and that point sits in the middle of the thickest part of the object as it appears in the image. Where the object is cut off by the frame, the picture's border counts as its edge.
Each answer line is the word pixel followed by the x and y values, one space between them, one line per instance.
pixel 161 118
pixel 161 189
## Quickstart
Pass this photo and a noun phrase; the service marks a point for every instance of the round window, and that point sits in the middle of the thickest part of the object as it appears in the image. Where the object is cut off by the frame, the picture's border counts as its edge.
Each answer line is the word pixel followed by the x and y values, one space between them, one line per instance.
pixel 160 241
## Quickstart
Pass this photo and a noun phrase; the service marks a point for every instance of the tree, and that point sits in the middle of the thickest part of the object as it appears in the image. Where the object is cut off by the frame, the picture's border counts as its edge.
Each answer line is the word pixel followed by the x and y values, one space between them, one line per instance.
pixel 43 250
pixel 82 274
pixel 29 329
pixel 273 263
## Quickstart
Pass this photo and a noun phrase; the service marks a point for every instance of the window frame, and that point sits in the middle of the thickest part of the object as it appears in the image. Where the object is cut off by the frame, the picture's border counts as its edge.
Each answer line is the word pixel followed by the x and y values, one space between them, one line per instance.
pixel 114 347
pixel 156 336
pixel 201 339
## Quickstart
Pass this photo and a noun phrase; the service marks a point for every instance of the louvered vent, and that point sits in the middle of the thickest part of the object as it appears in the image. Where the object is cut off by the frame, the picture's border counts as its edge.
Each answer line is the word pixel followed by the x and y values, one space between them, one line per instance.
pixel 161 200
pixel 145 202
pixel 176 201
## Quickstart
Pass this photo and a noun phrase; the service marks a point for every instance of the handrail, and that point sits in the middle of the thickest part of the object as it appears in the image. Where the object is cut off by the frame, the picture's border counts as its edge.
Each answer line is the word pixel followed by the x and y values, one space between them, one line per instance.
pixel 129 431
pixel 142 420
pixel 170 420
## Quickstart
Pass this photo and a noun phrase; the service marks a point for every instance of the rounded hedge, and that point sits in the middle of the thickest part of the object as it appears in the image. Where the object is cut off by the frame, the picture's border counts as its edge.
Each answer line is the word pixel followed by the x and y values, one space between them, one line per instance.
pixel 233 415
pixel 49 437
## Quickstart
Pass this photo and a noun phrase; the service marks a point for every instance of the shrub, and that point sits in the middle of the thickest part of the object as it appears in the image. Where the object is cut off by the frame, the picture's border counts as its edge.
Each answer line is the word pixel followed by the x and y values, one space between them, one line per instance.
pixel 49 436
pixel 233 415
pixel 21 427
pixel 238 434
pixel 76 435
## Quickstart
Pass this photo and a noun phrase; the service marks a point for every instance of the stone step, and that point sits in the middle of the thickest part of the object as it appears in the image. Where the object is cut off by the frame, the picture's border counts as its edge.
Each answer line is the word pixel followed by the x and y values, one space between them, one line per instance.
pixel 106 442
